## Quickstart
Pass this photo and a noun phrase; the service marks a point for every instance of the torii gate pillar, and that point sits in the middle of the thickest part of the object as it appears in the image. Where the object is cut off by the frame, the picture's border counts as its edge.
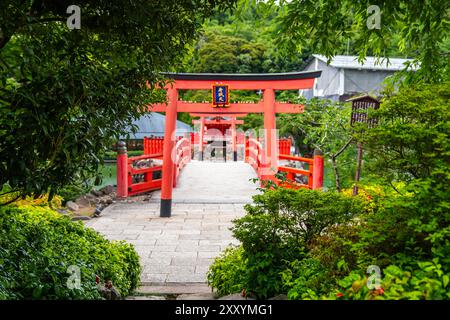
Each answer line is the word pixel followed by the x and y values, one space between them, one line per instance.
pixel 201 135
pixel 233 138
pixel 168 149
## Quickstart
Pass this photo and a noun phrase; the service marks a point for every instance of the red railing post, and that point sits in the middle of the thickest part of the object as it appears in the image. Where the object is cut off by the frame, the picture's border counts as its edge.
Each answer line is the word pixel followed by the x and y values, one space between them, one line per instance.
pixel 318 170
pixel 246 147
pixel 122 170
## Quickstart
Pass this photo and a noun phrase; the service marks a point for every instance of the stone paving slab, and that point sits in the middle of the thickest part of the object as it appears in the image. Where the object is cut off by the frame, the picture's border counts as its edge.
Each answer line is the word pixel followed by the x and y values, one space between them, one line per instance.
pixel 179 250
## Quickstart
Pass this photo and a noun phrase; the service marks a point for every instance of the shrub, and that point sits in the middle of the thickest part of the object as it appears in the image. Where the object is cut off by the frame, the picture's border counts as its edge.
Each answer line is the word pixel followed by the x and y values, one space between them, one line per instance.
pixel 37 245
pixel 228 272
pixel 423 280
pixel 74 190
pixel 305 276
pixel 278 228
pixel 8 196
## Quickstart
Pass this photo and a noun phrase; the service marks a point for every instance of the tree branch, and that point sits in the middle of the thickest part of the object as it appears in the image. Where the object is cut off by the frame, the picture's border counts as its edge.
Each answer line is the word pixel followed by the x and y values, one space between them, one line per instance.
pixel 343 148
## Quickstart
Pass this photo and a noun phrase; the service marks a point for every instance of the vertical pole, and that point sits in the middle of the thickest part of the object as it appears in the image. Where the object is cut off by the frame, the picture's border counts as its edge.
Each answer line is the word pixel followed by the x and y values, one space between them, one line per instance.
pixel 122 170
pixel 145 145
pixel 233 138
pixel 201 137
pixel 168 149
pixel 270 162
pixel 358 169
pixel 318 170
pixel 246 147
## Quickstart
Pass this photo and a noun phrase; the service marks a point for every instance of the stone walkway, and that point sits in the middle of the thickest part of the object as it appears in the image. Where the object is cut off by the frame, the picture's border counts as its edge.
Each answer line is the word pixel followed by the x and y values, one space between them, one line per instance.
pixel 177 251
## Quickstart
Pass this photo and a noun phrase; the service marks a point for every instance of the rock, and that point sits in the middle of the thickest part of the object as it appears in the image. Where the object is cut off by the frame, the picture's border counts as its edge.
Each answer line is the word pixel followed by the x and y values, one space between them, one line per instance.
pixel 97 193
pixel 197 296
pixel 106 200
pixel 106 190
pixel 98 210
pixel 90 197
pixel 83 201
pixel 279 297
pixel 84 218
pixel 63 211
pixel 72 206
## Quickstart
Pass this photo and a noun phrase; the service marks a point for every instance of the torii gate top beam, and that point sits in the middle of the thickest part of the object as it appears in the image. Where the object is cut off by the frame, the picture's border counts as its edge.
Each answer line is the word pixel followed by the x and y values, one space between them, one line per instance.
pixel 254 81
pixel 215 114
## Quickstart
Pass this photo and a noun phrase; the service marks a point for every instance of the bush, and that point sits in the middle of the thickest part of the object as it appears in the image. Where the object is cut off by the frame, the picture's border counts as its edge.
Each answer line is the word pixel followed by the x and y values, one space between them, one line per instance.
pixel 37 246
pixel 72 191
pixel 305 276
pixel 423 280
pixel 112 155
pixel 228 272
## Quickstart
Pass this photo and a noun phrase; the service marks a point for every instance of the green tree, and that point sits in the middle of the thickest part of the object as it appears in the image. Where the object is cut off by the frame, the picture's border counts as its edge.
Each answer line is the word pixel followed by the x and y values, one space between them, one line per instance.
pixel 65 95
pixel 411 141
pixel 416 28
pixel 326 126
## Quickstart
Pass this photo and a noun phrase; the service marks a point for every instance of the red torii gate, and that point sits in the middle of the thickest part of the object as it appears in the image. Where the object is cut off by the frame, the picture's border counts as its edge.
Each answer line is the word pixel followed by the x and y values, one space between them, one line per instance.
pixel 201 81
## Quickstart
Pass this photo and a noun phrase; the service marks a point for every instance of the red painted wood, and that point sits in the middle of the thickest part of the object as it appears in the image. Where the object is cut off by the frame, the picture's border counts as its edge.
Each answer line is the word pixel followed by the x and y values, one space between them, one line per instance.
pixel 318 172
pixel 228 122
pixel 153 145
pixel 269 158
pixel 295 158
pixel 183 156
pixel 202 133
pixel 292 84
pixel 233 133
pixel 281 107
pixel 212 114
pixel 169 144
pixel 234 108
pixel 295 170
pixel 284 146
pixel 122 175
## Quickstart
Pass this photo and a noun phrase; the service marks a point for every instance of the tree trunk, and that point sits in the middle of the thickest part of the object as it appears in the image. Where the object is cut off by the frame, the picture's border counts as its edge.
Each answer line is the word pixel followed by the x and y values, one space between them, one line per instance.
pixel 336 173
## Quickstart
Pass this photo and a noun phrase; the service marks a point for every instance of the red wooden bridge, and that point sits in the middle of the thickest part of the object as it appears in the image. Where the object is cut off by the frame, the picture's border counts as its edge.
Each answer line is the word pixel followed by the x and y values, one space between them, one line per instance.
pixel 164 159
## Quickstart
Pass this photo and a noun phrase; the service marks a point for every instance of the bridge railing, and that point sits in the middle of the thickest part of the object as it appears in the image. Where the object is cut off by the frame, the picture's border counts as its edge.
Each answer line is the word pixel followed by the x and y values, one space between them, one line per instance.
pixel 183 154
pixel 253 154
pixel 314 173
pixel 291 172
pixel 144 173
pixel 137 174
pixel 284 145
pixel 153 145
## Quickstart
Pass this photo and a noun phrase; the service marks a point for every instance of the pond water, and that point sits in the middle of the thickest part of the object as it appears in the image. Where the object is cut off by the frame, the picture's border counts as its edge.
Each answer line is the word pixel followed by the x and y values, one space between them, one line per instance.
pixel 108 171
